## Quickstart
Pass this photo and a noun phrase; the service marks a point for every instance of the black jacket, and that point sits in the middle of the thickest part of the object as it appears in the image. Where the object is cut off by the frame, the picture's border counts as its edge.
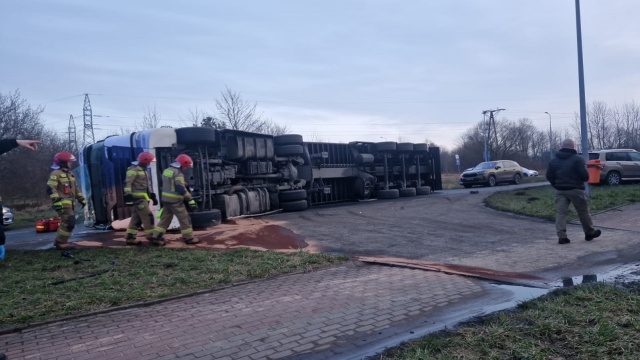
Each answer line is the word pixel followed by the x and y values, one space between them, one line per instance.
pixel 567 170
pixel 7 144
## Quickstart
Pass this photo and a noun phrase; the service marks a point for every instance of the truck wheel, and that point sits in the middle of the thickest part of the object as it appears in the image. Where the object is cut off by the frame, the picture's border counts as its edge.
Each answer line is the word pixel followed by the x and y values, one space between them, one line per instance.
pixel 292 195
pixel 289 150
pixel 362 188
pixel 287 139
pixel 404 147
pixel 294 205
pixel 196 136
pixel 274 201
pixel 407 192
pixel 420 147
pixel 203 219
pixel 388 194
pixel 423 190
pixel 386 146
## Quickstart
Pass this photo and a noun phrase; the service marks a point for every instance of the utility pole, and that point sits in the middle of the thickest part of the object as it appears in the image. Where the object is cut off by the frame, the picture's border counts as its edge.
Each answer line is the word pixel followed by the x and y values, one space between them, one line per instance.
pixel 583 102
pixel 487 126
pixel 550 139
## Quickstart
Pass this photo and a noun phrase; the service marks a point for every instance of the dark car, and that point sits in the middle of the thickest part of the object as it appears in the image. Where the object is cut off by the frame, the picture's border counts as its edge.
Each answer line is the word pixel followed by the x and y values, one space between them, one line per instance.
pixel 490 173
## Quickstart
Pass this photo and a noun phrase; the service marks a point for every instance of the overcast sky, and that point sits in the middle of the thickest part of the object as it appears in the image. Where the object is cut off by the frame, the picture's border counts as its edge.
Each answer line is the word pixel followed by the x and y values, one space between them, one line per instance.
pixel 331 70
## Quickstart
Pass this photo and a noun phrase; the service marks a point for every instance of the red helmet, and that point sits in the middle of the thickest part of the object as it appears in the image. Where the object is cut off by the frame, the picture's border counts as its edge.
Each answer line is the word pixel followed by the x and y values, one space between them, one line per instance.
pixel 184 160
pixel 145 158
pixel 62 158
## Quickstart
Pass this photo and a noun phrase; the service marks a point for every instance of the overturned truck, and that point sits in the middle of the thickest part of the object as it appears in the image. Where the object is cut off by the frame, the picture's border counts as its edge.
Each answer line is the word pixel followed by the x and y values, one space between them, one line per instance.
pixel 238 173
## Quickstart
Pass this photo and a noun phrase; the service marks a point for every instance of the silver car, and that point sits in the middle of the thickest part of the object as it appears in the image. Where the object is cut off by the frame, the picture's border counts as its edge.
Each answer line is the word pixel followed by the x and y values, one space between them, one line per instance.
pixel 7 216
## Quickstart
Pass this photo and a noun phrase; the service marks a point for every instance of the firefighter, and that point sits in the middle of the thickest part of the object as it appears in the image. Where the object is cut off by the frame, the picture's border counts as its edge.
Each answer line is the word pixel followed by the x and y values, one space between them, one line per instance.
pixel 137 195
pixel 175 197
pixel 63 191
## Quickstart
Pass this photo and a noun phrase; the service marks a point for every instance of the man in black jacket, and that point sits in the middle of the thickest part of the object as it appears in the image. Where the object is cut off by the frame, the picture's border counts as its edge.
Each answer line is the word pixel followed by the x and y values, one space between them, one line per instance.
pixel 6 145
pixel 567 173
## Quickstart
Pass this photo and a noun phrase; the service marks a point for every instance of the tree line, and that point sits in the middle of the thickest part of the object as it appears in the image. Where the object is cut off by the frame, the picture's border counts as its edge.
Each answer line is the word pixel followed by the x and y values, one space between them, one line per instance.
pixel 608 127
pixel 24 173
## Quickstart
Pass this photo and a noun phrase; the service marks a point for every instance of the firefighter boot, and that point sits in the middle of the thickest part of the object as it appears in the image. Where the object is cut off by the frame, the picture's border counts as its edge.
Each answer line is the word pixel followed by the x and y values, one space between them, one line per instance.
pixel 132 240
pixel 63 246
pixel 191 241
pixel 157 241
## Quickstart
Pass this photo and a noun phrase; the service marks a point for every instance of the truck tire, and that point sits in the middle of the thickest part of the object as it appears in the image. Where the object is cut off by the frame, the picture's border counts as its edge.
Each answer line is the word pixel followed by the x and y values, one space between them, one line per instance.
pixel 289 150
pixel 404 147
pixel 423 190
pixel 274 201
pixel 203 219
pixel 292 195
pixel 363 188
pixel 196 136
pixel 407 192
pixel 388 194
pixel 287 139
pixel 294 205
pixel 386 146
pixel 420 147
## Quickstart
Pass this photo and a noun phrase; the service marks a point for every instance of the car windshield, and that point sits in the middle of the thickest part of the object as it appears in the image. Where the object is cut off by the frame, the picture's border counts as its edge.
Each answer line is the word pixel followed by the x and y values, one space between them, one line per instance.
pixel 485 165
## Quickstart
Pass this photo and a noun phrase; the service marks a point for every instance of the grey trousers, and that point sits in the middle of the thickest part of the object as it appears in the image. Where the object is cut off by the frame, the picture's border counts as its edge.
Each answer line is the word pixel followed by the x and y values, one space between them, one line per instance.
pixel 578 198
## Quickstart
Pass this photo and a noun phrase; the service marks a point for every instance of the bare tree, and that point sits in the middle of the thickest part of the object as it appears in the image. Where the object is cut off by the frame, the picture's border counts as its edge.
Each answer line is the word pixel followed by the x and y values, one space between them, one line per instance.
pixel 150 120
pixel 28 170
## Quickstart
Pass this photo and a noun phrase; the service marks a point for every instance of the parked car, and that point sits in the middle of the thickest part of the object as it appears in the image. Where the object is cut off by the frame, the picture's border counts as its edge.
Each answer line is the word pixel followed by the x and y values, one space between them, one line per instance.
pixel 490 173
pixel 528 172
pixel 7 216
pixel 617 165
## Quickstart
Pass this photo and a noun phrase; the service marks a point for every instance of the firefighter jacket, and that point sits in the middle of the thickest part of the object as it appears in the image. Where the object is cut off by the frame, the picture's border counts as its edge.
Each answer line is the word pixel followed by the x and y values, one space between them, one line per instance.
pixel 137 182
pixel 174 187
pixel 62 185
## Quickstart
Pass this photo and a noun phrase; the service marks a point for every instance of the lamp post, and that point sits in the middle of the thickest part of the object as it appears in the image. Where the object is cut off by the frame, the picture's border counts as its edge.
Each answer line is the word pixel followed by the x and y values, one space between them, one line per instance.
pixel 550 139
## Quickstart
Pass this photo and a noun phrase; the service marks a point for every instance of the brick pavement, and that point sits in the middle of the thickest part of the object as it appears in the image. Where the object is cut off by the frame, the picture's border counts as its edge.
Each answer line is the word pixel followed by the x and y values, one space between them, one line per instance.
pixel 328 313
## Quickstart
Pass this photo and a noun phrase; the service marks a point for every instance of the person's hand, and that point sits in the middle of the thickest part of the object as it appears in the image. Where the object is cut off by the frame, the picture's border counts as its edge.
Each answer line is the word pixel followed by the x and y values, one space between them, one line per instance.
pixel 29 144
pixel 192 205
pixel 83 203
pixel 57 206
pixel 154 198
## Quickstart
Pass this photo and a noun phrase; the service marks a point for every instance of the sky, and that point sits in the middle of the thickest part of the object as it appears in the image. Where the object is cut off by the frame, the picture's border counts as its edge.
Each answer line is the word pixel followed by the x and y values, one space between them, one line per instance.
pixel 331 70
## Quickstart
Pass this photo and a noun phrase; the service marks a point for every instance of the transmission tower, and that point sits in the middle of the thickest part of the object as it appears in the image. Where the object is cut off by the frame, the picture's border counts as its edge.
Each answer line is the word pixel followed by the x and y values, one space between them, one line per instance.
pixel 87 118
pixel 73 140
pixel 487 131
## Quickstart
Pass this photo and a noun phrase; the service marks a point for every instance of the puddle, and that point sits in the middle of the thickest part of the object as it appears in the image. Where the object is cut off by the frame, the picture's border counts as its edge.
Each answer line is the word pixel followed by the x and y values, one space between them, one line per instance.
pixel 621 274
pixel 520 294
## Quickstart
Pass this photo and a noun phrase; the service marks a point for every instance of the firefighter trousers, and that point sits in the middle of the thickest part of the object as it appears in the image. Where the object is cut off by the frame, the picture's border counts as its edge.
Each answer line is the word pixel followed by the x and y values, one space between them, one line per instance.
pixel 67 224
pixel 180 212
pixel 141 215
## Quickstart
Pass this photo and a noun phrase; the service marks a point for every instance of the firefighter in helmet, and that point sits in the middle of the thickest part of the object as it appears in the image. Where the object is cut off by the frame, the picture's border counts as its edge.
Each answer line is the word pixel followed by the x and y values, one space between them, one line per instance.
pixel 63 191
pixel 175 197
pixel 137 196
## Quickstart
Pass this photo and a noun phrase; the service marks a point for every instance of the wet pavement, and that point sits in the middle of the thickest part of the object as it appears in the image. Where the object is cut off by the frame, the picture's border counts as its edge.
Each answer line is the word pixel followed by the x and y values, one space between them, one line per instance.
pixel 418 265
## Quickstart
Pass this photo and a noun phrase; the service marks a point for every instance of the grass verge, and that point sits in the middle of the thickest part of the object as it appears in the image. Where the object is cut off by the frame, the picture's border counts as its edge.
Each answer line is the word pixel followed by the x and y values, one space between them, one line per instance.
pixel 28 293
pixel 540 201
pixel 585 322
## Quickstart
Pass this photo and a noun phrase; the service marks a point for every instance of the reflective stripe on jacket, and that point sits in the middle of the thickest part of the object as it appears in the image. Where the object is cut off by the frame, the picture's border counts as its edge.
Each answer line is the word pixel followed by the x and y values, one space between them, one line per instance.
pixel 137 182
pixel 174 187
pixel 62 184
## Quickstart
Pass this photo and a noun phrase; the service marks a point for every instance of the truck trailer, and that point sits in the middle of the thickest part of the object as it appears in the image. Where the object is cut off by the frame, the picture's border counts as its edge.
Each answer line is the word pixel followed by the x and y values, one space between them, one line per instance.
pixel 237 173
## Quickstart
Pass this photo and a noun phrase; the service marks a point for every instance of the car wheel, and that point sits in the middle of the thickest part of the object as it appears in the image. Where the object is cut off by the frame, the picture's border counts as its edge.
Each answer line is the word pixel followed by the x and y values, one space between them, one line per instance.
pixel 517 178
pixel 492 181
pixel 613 178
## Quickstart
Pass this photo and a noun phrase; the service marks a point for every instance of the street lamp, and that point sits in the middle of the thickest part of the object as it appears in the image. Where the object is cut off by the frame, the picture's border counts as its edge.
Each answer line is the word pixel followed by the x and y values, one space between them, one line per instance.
pixel 550 140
